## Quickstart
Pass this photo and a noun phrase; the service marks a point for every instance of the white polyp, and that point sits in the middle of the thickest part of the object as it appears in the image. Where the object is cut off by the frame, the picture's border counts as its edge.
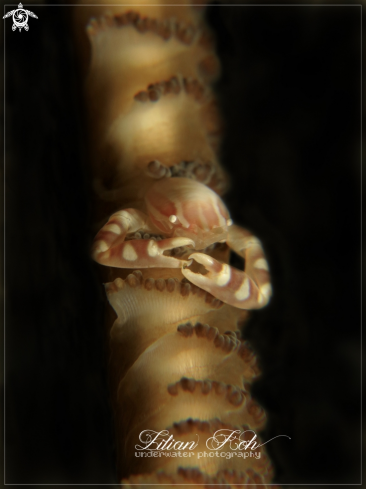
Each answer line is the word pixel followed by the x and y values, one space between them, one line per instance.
pixel 229 222
pixel 173 218
pixel 244 291
pixel 129 253
pixel 261 264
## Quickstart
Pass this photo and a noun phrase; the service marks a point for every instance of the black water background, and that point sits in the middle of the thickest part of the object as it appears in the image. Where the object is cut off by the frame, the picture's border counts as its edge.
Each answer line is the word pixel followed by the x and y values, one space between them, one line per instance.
pixel 290 96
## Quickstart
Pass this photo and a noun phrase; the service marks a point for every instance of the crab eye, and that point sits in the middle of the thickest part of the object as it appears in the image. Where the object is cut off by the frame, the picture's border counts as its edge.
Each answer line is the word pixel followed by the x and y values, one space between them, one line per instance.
pixel 184 203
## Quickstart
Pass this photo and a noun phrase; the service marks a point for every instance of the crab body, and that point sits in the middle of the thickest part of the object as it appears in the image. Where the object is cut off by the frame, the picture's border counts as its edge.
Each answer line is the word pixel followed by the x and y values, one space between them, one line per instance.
pixel 185 214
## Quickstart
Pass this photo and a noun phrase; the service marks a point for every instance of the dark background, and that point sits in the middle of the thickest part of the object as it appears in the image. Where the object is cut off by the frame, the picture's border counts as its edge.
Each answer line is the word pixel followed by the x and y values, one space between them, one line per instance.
pixel 290 97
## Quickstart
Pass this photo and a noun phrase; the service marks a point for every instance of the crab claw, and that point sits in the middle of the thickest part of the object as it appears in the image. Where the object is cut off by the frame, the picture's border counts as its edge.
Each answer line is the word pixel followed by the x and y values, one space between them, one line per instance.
pixel 111 249
pixel 229 284
pixel 143 253
pixel 114 232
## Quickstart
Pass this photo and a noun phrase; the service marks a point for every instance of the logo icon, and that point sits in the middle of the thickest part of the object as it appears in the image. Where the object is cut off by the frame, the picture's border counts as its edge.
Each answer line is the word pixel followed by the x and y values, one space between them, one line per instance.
pixel 20 17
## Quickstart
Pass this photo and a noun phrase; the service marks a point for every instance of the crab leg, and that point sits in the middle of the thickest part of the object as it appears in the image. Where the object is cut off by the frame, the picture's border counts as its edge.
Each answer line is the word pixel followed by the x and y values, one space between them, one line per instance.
pixel 111 249
pixel 250 289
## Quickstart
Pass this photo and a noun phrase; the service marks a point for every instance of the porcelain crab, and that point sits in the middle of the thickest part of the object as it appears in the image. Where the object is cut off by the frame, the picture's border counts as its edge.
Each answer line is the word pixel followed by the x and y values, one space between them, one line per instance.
pixel 185 214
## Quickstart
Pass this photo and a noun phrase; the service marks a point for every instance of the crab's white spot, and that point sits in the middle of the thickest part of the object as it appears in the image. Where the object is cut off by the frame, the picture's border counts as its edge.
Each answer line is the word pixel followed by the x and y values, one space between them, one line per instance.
pixel 265 293
pixel 224 276
pixel 129 253
pixel 152 248
pixel 112 228
pixel 173 218
pixel 229 222
pixel 244 291
pixel 250 242
pixel 261 264
pixel 101 247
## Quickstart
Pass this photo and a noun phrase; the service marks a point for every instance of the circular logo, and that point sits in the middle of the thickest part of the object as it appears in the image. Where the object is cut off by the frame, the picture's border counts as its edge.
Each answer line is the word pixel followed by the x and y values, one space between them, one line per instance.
pixel 20 19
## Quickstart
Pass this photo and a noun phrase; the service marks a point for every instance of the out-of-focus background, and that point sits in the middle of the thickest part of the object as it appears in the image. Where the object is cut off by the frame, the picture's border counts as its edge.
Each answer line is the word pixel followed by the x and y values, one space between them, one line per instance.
pixel 290 94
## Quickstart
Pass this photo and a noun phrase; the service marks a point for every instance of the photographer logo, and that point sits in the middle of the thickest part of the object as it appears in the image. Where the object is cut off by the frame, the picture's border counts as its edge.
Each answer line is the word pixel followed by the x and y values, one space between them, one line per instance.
pixel 20 18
